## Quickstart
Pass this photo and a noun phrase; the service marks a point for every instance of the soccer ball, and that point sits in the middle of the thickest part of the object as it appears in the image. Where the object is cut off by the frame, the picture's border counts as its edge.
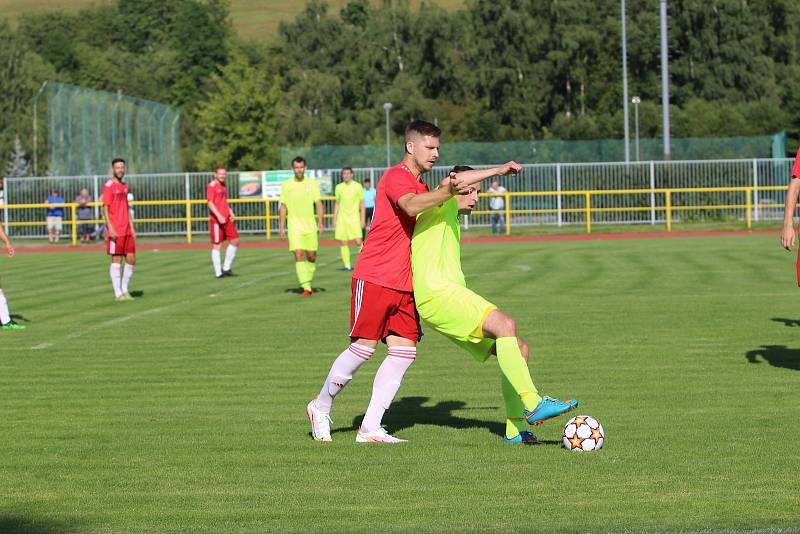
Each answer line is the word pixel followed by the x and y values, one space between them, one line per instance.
pixel 583 433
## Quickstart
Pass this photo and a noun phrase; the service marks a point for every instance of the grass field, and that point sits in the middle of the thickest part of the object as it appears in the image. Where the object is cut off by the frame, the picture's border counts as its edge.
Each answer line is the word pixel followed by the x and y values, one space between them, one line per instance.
pixel 183 411
pixel 256 19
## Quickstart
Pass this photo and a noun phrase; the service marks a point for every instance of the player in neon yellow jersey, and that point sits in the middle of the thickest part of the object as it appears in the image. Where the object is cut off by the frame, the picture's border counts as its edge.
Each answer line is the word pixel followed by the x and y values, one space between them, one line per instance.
pixel 299 196
pixel 349 215
pixel 470 321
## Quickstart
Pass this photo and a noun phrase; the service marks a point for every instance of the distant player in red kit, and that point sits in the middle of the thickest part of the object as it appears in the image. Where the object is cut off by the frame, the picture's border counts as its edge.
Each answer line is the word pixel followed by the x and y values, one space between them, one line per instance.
pixel 382 304
pixel 120 237
pixel 220 224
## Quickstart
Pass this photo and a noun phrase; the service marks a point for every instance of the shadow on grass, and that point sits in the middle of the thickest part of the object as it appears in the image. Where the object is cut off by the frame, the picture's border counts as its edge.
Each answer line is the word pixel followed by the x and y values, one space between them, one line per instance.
pixel 408 412
pixel 776 355
pixel 787 322
pixel 138 293
pixel 298 290
pixel 21 524
pixel 19 319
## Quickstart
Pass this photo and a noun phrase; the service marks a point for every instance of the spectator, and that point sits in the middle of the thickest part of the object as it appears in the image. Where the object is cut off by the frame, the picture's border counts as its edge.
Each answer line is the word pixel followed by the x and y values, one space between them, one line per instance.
pixel 54 217
pixel 84 213
pixel 497 205
pixel 369 205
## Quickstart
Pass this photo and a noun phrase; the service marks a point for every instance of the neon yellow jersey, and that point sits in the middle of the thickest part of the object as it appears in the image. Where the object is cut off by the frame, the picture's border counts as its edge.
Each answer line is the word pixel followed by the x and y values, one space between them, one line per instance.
pixel 299 198
pixel 349 196
pixel 436 251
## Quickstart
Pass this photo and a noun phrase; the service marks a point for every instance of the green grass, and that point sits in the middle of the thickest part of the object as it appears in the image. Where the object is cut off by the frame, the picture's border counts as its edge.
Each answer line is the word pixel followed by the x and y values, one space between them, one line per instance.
pixel 184 410
pixel 257 19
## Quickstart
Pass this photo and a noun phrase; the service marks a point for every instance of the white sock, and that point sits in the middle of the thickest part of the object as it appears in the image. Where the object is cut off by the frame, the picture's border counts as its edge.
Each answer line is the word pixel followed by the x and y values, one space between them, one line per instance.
pixel 215 259
pixel 229 255
pixel 115 272
pixel 386 384
pixel 342 371
pixel 126 277
pixel 5 317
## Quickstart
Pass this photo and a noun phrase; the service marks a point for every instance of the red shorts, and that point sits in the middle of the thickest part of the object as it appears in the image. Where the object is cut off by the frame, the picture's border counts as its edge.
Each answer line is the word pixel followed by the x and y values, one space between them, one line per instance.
pixel 377 312
pixel 121 246
pixel 222 232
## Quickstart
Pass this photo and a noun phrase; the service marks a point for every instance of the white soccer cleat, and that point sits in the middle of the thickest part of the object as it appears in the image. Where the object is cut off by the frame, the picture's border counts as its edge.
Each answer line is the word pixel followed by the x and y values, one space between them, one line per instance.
pixel 377 436
pixel 320 423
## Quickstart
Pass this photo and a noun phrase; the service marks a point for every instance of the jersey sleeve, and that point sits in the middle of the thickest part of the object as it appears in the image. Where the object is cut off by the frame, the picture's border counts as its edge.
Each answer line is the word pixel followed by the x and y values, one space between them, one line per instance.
pixel 317 195
pixel 210 192
pixel 360 195
pixel 796 166
pixel 399 184
pixel 107 196
pixel 338 193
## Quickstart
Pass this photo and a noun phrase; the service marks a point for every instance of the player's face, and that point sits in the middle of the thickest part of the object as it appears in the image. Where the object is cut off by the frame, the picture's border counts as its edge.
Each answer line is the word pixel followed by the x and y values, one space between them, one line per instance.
pixel 347 175
pixel 221 175
pixel 468 201
pixel 299 169
pixel 425 151
pixel 119 170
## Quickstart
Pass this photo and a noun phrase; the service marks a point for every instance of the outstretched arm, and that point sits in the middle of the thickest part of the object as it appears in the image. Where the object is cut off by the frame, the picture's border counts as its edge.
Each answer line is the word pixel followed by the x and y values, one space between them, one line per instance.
pixel 415 203
pixel 464 179
pixel 4 239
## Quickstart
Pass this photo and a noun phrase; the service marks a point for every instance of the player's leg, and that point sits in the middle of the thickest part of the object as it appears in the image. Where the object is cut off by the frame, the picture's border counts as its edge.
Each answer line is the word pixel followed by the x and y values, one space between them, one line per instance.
pixel 6 323
pixel 130 263
pixel 311 263
pixel 232 235
pixel 301 269
pixel 403 333
pixel 58 229
pixel 344 252
pixel 367 318
pixel 215 234
pixel 514 367
pixel 115 271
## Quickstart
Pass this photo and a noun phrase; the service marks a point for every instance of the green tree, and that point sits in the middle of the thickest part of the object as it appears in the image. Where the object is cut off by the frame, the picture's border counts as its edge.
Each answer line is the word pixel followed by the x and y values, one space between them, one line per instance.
pixel 237 125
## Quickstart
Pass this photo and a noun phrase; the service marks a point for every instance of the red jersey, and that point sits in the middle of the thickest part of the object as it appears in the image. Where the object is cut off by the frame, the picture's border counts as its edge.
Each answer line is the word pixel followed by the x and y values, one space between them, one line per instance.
pixel 796 166
pixel 217 194
pixel 386 258
pixel 115 196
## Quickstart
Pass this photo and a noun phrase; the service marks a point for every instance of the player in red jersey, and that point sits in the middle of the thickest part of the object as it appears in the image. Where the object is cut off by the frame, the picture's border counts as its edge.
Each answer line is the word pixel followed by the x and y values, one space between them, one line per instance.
pixel 120 237
pixel 220 224
pixel 382 303
pixel 789 232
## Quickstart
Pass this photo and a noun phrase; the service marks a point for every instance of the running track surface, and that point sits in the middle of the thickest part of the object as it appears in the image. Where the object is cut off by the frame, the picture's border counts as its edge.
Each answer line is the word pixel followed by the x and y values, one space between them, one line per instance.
pixel 512 239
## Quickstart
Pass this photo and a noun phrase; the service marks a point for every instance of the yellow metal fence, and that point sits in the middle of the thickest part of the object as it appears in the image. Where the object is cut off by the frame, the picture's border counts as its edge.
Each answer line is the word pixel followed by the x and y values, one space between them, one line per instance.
pixel 586 204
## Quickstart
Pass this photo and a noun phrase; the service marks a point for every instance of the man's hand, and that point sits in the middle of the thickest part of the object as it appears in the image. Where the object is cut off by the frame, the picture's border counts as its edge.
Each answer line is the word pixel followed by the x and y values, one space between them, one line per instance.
pixel 282 233
pixel 450 184
pixel 320 227
pixel 233 216
pixel 223 220
pixel 788 237
pixel 112 233
pixel 512 167
pixel 133 233
pixel 10 250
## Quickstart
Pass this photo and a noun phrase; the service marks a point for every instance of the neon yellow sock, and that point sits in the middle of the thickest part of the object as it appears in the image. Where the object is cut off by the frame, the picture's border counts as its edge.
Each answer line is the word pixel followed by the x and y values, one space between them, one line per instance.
pixel 514 410
pixel 345 252
pixel 515 369
pixel 301 269
pixel 311 268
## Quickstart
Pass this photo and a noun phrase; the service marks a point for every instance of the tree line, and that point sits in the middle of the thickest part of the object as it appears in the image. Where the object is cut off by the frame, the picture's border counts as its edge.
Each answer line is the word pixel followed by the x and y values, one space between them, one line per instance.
pixel 496 70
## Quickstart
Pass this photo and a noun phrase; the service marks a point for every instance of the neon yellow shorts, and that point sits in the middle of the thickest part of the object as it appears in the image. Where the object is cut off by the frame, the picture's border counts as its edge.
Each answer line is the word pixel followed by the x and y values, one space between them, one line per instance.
pixel 458 313
pixel 348 228
pixel 303 241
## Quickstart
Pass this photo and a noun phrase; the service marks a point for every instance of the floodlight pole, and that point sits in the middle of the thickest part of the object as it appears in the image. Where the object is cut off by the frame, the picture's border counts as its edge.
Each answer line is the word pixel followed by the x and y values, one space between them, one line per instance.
pixel 665 81
pixel 636 100
pixel 388 107
pixel 36 128
pixel 625 86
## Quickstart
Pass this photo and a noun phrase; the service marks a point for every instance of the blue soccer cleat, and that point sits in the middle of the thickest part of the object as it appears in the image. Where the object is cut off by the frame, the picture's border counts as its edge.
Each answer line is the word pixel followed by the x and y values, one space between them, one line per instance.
pixel 524 438
pixel 548 408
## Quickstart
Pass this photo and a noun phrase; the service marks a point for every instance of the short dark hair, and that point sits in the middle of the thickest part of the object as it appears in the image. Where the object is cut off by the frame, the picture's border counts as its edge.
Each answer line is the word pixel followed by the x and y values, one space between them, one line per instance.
pixel 347 169
pixel 218 167
pixel 298 159
pixel 423 128
pixel 461 168
pixel 367 180
pixel 117 160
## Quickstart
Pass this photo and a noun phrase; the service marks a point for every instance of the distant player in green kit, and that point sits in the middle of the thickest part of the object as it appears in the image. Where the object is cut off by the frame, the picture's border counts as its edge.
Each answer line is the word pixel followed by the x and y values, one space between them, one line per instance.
pixel 349 215
pixel 299 197
pixel 466 318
